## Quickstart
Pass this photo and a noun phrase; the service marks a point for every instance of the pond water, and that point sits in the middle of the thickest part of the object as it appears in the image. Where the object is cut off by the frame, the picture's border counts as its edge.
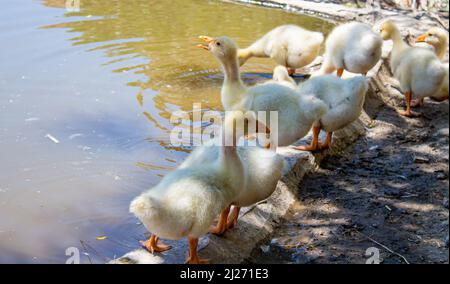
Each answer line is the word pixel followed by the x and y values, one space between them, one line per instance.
pixel 85 101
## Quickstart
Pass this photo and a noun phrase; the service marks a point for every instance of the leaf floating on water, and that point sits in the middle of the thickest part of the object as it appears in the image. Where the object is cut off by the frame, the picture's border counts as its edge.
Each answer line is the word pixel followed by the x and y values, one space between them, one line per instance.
pixel 54 140
pixel 140 98
pixel 101 238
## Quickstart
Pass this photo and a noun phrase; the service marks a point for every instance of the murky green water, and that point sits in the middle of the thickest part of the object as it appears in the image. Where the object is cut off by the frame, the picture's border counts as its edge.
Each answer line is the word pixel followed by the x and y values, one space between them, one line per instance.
pixel 85 101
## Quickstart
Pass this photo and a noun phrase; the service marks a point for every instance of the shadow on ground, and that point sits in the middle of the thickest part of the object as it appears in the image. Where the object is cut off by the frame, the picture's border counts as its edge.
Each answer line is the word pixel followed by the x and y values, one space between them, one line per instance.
pixel 388 191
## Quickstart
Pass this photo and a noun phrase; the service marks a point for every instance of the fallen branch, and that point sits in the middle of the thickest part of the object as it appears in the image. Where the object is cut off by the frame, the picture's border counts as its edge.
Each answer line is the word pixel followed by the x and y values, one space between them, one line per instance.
pixel 385 247
pixel 438 19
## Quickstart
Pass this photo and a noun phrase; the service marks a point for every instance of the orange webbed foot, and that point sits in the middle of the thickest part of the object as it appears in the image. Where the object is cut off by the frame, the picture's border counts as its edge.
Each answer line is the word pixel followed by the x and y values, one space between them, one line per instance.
pixel 307 148
pixel 314 146
pixel 408 113
pixel 153 246
pixel 196 260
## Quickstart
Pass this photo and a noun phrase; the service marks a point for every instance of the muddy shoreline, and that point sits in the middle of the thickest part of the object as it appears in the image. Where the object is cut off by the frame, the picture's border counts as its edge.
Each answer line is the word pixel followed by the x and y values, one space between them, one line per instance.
pixel 388 191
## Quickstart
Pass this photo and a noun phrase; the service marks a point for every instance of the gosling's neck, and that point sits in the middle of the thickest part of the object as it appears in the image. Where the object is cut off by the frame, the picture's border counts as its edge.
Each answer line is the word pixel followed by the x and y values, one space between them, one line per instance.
pixel 231 70
pixel 233 89
pixel 441 50
pixel 399 43
pixel 232 168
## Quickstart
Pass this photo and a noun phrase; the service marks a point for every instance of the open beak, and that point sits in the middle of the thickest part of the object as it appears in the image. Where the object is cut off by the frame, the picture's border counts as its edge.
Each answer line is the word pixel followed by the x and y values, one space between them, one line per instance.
pixel 422 38
pixel 206 39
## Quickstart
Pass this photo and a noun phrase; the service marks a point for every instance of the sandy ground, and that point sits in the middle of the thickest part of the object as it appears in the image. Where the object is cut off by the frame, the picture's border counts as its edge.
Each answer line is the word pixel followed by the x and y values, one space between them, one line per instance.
pixel 388 191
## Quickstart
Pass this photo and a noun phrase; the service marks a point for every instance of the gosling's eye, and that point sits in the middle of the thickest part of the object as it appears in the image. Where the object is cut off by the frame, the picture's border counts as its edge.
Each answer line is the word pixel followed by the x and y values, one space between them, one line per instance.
pixel 218 43
pixel 430 34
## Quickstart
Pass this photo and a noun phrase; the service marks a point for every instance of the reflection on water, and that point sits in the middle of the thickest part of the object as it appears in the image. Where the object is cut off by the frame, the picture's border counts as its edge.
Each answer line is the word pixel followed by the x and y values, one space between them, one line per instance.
pixel 103 82
pixel 155 39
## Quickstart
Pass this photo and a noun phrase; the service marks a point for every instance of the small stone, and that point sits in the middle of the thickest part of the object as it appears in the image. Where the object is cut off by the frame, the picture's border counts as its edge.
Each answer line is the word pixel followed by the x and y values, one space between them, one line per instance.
pixel 421 160
pixel 441 176
pixel 373 148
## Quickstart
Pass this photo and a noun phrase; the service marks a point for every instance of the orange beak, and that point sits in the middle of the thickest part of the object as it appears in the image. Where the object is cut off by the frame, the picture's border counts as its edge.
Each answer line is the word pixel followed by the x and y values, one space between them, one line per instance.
pixel 206 39
pixel 422 38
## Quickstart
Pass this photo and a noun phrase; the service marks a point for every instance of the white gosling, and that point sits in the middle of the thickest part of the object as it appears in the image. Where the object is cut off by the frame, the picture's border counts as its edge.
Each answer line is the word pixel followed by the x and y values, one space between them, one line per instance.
pixel 289 45
pixel 263 168
pixel 418 70
pixel 186 201
pixel 345 99
pixel 354 47
pixel 438 39
pixel 296 113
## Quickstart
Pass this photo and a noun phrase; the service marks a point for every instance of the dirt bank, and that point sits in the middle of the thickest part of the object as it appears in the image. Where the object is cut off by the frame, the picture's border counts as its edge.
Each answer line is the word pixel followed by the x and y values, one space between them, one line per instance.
pixel 389 189
pixel 333 11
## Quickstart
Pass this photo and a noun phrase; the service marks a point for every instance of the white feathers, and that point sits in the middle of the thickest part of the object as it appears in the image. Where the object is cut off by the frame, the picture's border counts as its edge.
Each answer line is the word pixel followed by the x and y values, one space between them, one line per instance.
pixel 344 98
pixel 443 92
pixel 314 108
pixel 295 115
pixel 417 69
pixel 289 45
pixel 354 47
pixel 263 167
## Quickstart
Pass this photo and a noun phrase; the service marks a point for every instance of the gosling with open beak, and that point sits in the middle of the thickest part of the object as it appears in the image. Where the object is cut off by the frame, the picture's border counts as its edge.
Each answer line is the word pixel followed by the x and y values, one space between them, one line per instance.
pixel 208 41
